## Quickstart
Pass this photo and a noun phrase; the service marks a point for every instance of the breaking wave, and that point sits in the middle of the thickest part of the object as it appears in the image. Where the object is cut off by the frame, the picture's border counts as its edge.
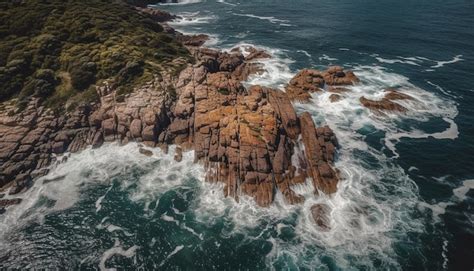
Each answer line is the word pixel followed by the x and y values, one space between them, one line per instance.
pixel 180 2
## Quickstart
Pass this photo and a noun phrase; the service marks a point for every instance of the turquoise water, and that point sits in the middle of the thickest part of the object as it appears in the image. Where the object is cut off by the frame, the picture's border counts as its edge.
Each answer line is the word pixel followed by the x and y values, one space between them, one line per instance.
pixel 405 202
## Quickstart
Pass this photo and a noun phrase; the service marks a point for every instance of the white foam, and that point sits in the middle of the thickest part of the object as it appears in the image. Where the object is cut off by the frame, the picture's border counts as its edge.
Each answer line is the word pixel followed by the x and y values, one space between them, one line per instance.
pixel 100 166
pixel 437 209
pixel 305 53
pixel 116 250
pixel 442 90
pixel 276 69
pixel 451 132
pixel 326 57
pixel 393 61
pixel 227 3
pixel 98 203
pixel 191 19
pixel 440 64
pixel 271 19
pixel 369 213
pixel 180 2
pixel 176 250
pixel 462 191
pixel 425 106
pixel 443 254
pixel 169 219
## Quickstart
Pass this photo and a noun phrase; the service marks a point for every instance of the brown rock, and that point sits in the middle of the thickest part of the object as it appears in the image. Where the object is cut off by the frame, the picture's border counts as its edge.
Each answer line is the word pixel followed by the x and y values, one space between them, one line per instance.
pixel 145 152
pixel 228 62
pixel 323 175
pixel 149 133
pixel 256 54
pixel 178 156
pixel 393 94
pixel 109 126
pixel 149 117
pixel 8 202
pixel 338 89
pixel 7 149
pixel 281 102
pixel 58 147
pixel 136 128
pixel 193 40
pixel 320 215
pixel 382 105
pixel 98 140
pixel 336 76
pixel 157 14
pixel 334 98
pixel 304 83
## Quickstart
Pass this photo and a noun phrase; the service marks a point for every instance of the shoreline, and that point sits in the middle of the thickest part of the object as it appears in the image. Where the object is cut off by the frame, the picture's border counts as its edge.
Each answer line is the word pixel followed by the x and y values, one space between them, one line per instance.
pixel 245 137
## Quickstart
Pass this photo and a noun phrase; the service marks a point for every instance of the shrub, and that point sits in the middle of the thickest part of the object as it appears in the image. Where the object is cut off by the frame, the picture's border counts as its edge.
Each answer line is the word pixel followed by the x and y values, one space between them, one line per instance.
pixel 82 77
pixel 81 41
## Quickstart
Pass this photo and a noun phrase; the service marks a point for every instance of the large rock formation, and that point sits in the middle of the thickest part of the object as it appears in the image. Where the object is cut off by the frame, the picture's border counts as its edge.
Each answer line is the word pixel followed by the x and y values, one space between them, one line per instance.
pixel 245 137
pixel 308 81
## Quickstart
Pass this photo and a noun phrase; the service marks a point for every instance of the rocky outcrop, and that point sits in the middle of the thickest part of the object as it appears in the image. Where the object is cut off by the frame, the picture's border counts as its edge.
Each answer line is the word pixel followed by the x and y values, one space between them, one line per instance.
pixel 244 137
pixel 308 81
pixel 192 40
pixel 387 103
pixel 320 146
pixel 156 14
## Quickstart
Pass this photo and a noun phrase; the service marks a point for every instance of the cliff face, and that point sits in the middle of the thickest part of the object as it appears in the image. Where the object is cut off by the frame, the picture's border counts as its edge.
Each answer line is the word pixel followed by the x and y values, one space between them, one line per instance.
pixel 245 137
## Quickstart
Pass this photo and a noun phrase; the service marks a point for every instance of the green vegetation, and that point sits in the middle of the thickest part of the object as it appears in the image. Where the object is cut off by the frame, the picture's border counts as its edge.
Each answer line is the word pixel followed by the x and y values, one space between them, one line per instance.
pixel 58 50
pixel 223 91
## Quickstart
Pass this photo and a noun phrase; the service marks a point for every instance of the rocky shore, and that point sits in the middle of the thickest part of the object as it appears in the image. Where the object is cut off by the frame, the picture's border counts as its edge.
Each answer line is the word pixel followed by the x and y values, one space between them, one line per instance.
pixel 244 136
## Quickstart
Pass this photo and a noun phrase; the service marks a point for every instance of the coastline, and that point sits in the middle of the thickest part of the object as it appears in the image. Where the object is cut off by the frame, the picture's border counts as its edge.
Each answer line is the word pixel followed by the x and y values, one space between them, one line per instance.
pixel 244 148
pixel 245 136
pixel 246 141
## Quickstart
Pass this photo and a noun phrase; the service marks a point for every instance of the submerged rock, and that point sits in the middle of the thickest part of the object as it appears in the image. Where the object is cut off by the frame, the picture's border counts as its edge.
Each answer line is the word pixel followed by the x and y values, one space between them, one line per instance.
pixel 335 97
pixel 9 202
pixel 382 105
pixel 145 152
pixel 320 215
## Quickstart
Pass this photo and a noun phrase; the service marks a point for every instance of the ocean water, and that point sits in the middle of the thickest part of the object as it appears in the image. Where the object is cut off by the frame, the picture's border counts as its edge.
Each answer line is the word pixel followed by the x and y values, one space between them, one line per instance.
pixel 406 200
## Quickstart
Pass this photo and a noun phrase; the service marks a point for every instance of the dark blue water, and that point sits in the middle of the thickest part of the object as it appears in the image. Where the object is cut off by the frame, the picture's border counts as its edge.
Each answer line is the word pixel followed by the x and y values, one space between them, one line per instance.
pixel 407 198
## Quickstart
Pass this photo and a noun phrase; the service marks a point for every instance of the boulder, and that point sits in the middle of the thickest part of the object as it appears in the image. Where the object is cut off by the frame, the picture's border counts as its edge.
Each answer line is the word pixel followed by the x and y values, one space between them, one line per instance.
pixel 145 152
pixel 393 94
pixel 178 156
pixel 382 105
pixel 336 76
pixel 136 128
pixel 193 40
pixel 335 97
pixel 320 213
